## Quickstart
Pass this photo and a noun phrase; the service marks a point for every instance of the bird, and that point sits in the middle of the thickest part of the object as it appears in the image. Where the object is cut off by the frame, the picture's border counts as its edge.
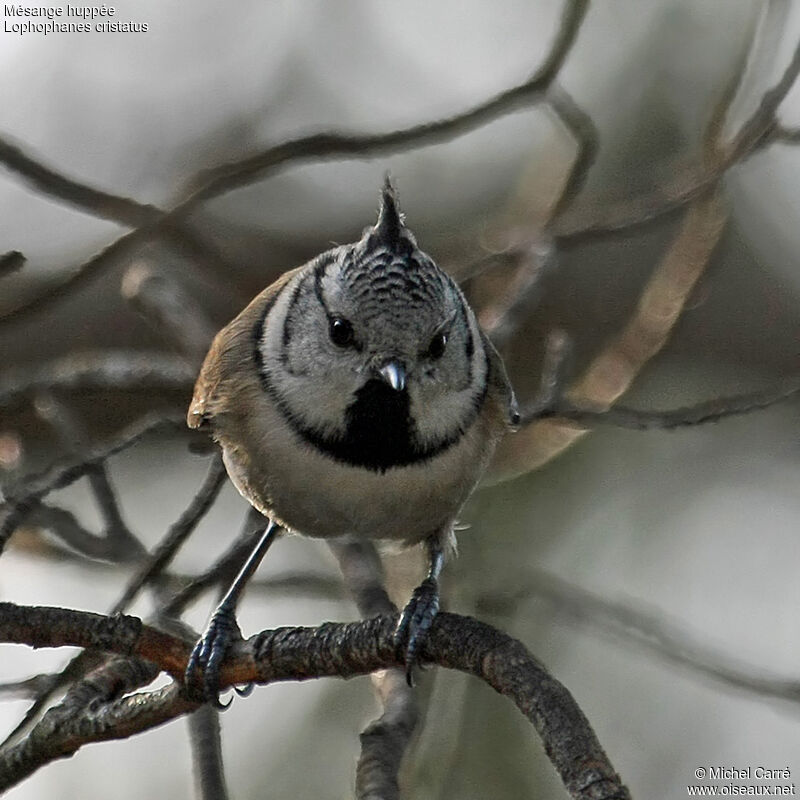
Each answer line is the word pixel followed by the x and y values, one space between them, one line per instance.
pixel 356 396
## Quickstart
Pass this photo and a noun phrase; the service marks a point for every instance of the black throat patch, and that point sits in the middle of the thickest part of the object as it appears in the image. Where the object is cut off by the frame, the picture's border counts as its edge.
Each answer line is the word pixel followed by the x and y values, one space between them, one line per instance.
pixel 379 433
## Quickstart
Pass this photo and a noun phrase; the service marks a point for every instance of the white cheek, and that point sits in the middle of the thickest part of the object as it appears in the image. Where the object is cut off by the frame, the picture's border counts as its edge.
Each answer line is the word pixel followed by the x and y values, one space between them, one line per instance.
pixel 442 408
pixel 439 415
pixel 319 400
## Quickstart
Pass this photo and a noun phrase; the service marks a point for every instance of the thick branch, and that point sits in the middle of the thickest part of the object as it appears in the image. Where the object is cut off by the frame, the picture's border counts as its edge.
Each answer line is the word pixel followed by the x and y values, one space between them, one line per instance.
pixel 331 650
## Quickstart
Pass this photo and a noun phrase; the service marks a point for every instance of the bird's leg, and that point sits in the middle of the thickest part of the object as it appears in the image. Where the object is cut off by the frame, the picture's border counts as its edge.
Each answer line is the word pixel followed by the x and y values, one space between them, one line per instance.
pixel 418 615
pixel 222 630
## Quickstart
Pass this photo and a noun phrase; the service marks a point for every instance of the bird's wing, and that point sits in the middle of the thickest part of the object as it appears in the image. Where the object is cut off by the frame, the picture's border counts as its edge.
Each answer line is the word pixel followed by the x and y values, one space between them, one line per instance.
pixel 230 347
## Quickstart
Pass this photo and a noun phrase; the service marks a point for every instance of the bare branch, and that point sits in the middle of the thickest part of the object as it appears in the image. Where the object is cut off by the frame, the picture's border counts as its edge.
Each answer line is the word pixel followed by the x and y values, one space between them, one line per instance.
pixel 385 740
pixel 224 568
pixel 332 650
pixel 101 204
pixel 27 687
pixel 226 177
pixel 649 630
pixel 32 489
pixel 206 741
pixel 121 370
pixel 638 419
pixel 786 135
pixel 93 707
pixel 519 293
pixel 585 134
pixel 64 525
pixel 112 207
pixel 322 146
pixel 362 571
pixel 755 134
pixel 611 372
pixel 76 669
pixel 81 274
pixel 164 304
pixel 149 571
pixel 70 432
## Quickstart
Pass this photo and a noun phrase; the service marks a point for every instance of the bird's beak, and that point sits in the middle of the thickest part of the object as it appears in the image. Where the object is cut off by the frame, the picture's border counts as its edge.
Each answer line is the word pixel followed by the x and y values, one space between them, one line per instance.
pixel 394 374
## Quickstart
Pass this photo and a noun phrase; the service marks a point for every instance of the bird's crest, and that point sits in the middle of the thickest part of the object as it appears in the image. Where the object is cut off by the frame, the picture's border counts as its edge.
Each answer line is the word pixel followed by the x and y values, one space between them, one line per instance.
pixel 389 228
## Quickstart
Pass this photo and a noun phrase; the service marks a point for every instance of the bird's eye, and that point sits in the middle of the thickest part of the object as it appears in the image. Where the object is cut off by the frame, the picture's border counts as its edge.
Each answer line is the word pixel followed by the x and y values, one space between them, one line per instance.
pixel 437 345
pixel 341 332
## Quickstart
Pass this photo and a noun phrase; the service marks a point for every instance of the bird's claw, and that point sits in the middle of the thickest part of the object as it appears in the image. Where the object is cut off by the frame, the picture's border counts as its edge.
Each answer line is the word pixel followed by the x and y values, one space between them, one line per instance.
pixel 415 622
pixel 202 671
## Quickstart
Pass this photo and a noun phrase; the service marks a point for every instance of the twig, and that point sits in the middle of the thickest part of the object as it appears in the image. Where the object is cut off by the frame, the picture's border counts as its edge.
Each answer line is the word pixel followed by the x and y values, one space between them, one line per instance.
pixel 64 525
pixel 223 569
pixel 650 630
pixel 33 488
pixel 70 432
pixel 105 205
pixel 755 134
pixel 293 583
pixel 584 132
pixel 84 707
pixel 27 687
pixel 553 378
pixel 362 571
pixel 149 571
pixel 638 419
pixel 176 535
pixel 333 650
pixel 520 292
pixel 786 135
pixel 101 204
pixel 80 275
pixel 75 669
pixel 321 146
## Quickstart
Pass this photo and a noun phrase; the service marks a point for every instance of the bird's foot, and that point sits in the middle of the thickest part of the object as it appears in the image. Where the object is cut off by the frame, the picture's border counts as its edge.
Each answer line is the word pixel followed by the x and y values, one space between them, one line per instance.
pixel 415 622
pixel 202 671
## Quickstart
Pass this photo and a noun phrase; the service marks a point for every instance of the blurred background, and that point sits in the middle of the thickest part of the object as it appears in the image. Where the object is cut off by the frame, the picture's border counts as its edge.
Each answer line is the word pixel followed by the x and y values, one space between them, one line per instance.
pixel 696 528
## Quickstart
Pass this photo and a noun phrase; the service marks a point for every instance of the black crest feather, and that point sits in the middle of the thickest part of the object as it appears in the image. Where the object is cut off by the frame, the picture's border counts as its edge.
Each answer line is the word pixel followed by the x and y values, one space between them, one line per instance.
pixel 389 228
